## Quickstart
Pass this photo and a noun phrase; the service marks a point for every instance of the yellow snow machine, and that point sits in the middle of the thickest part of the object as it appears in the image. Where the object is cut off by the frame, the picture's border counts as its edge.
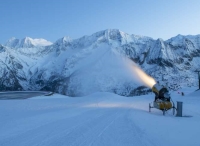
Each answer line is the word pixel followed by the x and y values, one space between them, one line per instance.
pixel 162 99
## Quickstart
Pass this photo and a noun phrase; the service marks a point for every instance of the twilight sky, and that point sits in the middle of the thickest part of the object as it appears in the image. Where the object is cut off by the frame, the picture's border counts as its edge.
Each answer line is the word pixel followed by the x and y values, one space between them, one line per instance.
pixel 53 19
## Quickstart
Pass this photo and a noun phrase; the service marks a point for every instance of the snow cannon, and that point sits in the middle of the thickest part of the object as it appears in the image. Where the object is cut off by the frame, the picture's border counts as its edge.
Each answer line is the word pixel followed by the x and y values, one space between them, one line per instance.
pixel 162 99
pixel 161 92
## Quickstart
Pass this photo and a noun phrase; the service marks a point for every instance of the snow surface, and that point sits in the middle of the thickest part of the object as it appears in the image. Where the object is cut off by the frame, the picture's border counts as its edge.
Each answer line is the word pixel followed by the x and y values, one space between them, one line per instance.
pixel 99 119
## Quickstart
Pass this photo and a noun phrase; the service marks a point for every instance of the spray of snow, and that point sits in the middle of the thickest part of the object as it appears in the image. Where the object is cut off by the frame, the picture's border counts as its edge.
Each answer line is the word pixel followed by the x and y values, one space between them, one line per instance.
pixel 141 76
pixel 146 79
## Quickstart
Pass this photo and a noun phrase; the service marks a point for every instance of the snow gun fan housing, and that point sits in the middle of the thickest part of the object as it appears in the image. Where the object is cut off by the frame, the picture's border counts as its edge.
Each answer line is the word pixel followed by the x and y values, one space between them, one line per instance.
pixel 161 92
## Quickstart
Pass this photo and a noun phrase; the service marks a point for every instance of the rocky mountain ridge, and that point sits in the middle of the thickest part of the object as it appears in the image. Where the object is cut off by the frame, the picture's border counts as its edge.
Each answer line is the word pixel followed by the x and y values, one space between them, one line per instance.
pixel 98 62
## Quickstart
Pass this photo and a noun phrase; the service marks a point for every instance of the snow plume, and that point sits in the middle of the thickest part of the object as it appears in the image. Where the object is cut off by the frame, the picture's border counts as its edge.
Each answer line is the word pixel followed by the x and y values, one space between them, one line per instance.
pixel 141 76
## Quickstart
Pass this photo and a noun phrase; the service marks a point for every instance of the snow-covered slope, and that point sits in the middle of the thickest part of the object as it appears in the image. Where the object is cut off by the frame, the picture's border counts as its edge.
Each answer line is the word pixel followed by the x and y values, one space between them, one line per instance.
pixel 98 119
pixel 99 62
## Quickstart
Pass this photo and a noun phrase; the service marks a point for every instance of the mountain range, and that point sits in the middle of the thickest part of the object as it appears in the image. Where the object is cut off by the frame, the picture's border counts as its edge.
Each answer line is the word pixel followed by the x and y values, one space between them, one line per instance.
pixel 100 62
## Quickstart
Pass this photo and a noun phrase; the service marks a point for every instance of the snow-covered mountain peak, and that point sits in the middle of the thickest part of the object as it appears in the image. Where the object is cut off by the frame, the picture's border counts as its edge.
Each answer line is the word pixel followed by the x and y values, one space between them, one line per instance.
pixel 124 38
pixel 27 42
pixel 114 34
pixel 177 39
pixel 190 41
pixel 116 37
pixel 63 40
pixel 181 38
pixel 108 33
pixel 12 39
pixel 160 39
pixel 62 44
pixel 140 37
pixel 12 42
pixel 113 31
pixel 67 39
pixel 75 66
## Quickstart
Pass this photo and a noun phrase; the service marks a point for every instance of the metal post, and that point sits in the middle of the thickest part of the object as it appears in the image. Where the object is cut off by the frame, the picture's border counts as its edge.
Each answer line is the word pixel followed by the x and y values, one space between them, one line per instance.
pixel 179 109
pixel 199 79
pixel 173 108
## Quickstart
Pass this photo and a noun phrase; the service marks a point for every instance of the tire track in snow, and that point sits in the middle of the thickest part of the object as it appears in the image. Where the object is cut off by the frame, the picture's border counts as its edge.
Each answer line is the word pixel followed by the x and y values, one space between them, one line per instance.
pixel 86 130
pixel 122 131
pixel 94 125
pixel 51 130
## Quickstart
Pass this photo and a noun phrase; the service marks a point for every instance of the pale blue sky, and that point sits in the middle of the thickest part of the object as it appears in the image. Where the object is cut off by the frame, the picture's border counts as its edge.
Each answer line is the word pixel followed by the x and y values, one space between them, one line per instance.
pixel 53 19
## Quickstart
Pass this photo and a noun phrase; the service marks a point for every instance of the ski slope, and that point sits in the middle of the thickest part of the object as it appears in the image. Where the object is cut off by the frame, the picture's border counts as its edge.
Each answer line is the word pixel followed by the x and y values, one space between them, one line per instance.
pixel 99 119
